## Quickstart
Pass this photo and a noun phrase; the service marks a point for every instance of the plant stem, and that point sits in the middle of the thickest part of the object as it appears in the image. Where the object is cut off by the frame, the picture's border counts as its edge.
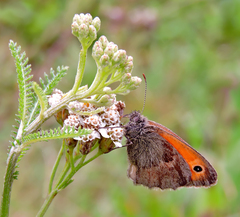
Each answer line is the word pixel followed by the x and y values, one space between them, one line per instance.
pixel 63 182
pixel 80 70
pixel 54 170
pixel 71 158
pixel 89 160
pixel 8 180
pixel 47 203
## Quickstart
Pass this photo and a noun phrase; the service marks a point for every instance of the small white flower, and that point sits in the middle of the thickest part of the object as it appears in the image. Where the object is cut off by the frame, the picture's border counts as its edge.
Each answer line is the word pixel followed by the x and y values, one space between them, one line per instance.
pixel 55 97
pixel 92 121
pixel 104 132
pixel 115 134
pixel 90 137
pixel 110 117
pixel 73 120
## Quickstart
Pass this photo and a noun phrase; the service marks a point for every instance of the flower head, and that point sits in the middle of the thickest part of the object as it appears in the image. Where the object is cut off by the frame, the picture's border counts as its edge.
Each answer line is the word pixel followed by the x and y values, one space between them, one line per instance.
pixel 85 28
pixel 105 124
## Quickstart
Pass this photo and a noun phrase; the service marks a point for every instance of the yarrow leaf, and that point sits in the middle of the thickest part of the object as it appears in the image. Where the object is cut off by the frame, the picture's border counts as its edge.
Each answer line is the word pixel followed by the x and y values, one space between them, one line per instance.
pixel 47 86
pixel 24 84
pixel 57 133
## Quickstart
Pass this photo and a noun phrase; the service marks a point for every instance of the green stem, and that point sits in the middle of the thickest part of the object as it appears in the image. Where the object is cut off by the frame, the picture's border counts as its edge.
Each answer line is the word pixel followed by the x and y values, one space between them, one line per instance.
pixel 47 203
pixel 89 160
pixel 66 169
pixel 71 158
pixel 79 166
pixel 54 170
pixel 8 180
pixel 63 174
pixel 80 70
pixel 98 81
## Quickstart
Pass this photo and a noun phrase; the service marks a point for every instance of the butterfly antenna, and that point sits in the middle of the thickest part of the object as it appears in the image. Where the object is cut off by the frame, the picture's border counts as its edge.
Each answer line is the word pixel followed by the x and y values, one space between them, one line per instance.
pixel 145 94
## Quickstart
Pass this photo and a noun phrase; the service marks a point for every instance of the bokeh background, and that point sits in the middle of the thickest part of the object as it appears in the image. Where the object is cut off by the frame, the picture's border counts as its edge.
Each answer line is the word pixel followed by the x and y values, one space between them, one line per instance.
pixel 190 53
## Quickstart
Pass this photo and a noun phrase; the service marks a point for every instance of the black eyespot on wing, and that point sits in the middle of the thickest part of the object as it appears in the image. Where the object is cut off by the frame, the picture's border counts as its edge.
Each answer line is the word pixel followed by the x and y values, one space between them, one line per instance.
pixel 197 169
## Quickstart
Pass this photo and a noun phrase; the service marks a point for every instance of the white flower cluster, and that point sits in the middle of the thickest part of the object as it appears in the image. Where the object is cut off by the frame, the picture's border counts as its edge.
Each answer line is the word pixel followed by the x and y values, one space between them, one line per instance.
pixel 104 124
pixel 55 97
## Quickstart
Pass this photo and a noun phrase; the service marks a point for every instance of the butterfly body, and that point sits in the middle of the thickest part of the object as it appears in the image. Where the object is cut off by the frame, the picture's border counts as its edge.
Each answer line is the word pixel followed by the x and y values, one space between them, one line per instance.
pixel 159 158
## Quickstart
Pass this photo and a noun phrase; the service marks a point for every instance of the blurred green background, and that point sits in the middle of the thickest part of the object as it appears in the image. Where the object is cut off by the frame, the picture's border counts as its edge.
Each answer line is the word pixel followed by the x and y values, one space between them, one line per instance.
pixel 190 53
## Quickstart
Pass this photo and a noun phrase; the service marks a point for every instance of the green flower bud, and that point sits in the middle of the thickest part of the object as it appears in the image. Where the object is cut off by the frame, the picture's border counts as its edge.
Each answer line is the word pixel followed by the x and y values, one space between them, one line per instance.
pixel 104 99
pixel 96 23
pixel 77 19
pixel 129 67
pixel 97 45
pixel 107 89
pixel 106 145
pixel 126 78
pixel 120 56
pixel 83 31
pixel 92 32
pixel 87 19
pixel 134 83
pixel 97 53
pixel 110 49
pixel 104 41
pixel 104 60
pixel 130 59
pixel 75 29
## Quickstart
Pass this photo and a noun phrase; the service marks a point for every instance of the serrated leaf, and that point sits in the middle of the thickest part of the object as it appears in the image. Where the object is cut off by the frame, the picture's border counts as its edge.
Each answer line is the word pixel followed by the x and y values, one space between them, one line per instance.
pixel 47 88
pixel 23 78
pixel 57 133
pixel 42 98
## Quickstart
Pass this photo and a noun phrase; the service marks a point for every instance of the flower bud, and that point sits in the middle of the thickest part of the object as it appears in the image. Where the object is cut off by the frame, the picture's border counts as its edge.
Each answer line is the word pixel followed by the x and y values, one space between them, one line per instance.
pixel 134 83
pixel 75 29
pixel 92 32
pixel 97 45
pixel 83 31
pixel 129 67
pixel 104 41
pixel 110 49
pixel 70 142
pixel 120 56
pixel 107 89
pixel 104 60
pixel 82 16
pixel 96 23
pixel 97 54
pixel 87 19
pixel 104 99
pixel 126 78
pixel 61 116
pixel 130 59
pixel 77 19
pixel 85 147
pixel 106 145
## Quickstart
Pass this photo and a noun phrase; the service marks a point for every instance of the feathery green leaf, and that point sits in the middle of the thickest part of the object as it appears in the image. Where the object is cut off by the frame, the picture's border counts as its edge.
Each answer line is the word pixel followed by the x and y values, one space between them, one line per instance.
pixel 47 88
pixel 23 79
pixel 57 133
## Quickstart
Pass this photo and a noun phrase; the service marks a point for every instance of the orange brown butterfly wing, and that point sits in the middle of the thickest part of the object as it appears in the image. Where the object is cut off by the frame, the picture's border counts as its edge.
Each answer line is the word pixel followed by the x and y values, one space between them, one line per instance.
pixel 160 158
pixel 202 172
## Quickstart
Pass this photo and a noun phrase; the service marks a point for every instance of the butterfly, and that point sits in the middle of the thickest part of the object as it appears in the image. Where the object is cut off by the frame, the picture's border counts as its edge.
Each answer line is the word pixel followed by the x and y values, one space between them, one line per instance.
pixel 160 158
